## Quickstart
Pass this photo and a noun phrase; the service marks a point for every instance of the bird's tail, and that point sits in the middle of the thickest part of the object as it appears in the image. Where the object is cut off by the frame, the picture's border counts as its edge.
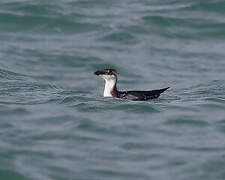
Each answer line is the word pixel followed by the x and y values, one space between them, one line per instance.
pixel 162 90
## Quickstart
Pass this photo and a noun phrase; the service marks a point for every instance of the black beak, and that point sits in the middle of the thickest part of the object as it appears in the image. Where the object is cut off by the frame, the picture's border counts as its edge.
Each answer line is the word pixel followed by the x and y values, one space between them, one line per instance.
pixel 98 73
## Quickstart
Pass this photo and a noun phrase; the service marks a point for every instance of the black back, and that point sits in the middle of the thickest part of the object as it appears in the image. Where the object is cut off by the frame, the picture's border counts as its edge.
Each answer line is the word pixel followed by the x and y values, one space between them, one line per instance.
pixel 142 95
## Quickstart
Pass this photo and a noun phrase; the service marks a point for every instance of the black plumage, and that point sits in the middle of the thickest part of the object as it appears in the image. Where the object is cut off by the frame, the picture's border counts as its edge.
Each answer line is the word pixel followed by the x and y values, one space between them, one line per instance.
pixel 141 95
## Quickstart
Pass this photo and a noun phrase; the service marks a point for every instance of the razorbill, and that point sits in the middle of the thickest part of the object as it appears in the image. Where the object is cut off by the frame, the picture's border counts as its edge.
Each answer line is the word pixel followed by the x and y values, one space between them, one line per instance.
pixel 110 90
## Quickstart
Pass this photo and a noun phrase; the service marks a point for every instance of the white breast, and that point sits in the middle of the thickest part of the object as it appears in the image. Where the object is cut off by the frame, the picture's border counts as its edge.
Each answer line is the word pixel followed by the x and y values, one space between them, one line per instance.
pixel 110 82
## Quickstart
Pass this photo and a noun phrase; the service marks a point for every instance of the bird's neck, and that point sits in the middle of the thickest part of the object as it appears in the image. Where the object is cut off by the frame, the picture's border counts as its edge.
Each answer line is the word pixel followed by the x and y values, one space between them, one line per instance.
pixel 110 88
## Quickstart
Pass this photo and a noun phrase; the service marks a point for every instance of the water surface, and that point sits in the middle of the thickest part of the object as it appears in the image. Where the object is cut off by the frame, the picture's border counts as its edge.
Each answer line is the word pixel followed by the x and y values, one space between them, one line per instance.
pixel 54 122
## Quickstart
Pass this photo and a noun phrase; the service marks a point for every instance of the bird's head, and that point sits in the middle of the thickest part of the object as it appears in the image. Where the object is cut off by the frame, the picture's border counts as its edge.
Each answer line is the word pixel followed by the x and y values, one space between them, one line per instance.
pixel 107 74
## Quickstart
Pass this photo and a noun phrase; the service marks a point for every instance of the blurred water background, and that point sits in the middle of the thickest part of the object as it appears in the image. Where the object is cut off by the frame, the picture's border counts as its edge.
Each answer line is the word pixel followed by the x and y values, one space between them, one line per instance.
pixel 55 123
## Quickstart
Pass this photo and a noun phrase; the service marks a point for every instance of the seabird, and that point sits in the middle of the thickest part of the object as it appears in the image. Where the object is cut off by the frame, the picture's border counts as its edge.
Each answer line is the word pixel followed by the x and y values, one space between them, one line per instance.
pixel 110 90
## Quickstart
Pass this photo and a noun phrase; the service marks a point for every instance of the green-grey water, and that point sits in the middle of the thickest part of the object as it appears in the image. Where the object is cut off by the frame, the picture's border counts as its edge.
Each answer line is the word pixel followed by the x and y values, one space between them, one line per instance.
pixel 55 123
